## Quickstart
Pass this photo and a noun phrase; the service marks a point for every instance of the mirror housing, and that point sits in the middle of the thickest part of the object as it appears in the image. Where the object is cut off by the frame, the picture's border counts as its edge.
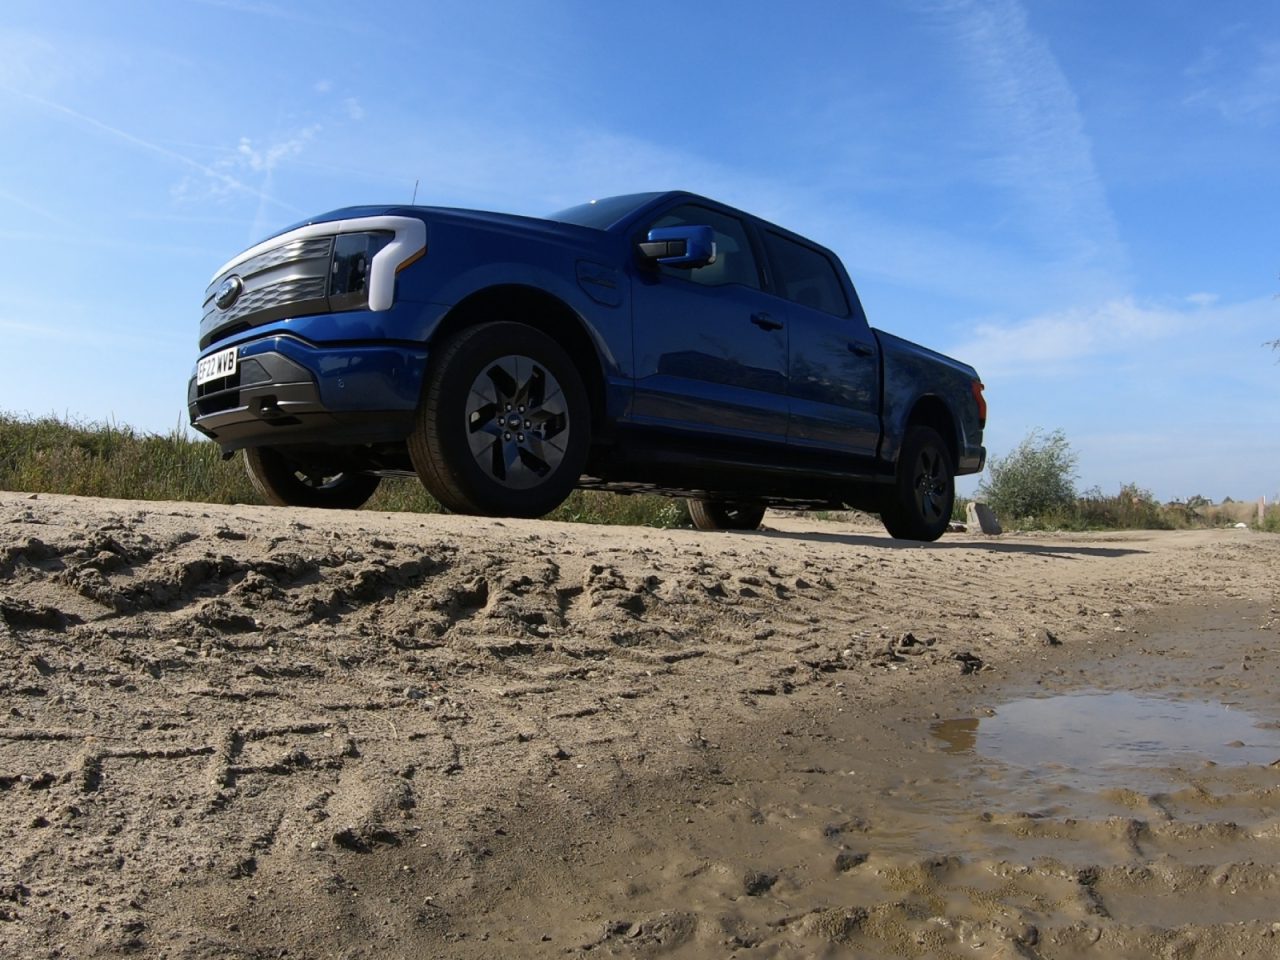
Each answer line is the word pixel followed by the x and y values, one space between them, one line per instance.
pixel 684 246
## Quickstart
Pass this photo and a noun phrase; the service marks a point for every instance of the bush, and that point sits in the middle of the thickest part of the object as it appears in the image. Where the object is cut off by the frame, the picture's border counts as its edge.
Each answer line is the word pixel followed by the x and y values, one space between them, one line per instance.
pixel 1036 480
pixel 1271 519
pixel 1131 509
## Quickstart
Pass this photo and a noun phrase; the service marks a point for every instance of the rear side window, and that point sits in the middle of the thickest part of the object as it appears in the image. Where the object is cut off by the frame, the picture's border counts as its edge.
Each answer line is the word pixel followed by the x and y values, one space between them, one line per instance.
pixel 805 276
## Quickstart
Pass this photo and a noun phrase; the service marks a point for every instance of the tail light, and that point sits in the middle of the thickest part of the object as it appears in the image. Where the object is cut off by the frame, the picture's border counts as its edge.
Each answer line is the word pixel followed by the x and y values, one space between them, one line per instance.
pixel 977 387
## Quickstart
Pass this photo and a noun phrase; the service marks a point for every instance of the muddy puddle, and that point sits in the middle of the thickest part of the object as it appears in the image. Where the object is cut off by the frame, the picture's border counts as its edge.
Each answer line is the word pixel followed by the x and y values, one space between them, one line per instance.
pixel 1097 740
pixel 1136 822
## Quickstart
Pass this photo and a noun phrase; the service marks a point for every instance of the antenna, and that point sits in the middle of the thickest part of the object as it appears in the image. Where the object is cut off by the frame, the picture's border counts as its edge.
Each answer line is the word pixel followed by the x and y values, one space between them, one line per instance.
pixel 415 193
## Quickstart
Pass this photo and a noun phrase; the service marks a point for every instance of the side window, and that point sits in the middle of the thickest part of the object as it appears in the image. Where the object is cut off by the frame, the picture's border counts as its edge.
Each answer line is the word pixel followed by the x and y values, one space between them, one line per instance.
pixel 734 260
pixel 805 276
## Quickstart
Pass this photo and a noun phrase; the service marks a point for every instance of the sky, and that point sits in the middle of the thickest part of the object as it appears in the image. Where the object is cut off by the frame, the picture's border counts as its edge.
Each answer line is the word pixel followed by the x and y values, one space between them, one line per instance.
pixel 1081 198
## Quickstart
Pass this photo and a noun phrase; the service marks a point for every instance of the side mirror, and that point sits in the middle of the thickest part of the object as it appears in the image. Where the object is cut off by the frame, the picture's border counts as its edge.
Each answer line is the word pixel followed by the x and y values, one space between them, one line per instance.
pixel 686 247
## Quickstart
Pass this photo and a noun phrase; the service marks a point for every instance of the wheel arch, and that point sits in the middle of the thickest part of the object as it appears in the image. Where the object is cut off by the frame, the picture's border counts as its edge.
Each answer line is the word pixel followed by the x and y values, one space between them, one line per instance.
pixel 931 411
pixel 545 312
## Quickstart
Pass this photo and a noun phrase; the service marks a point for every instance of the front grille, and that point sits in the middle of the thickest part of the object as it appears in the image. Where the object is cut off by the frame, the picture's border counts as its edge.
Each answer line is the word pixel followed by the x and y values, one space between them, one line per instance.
pixel 288 280
pixel 218 395
pixel 292 290
pixel 224 393
pixel 289 252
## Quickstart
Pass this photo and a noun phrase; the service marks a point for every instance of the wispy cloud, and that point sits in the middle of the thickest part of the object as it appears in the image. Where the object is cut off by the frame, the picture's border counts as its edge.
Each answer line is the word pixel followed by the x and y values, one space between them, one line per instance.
pixel 264 159
pixel 1238 77
pixel 219 176
pixel 44 213
pixel 31 63
pixel 250 159
pixel 274 11
pixel 1125 330
pixel 1038 150
pixel 1055 341
pixel 299 15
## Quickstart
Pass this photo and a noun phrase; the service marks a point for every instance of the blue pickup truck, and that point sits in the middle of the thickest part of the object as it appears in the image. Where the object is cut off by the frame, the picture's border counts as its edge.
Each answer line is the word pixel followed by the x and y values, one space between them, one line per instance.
pixel 649 342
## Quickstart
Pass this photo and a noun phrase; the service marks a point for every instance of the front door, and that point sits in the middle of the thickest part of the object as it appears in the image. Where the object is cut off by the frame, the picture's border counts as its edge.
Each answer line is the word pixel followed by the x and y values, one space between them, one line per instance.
pixel 710 346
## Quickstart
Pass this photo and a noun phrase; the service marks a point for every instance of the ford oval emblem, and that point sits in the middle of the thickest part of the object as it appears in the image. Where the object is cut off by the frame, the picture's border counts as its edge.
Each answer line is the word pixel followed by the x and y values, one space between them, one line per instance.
pixel 228 292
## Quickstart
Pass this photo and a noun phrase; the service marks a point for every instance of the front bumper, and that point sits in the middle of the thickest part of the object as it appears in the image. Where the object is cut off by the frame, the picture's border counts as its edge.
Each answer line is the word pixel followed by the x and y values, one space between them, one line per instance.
pixel 287 390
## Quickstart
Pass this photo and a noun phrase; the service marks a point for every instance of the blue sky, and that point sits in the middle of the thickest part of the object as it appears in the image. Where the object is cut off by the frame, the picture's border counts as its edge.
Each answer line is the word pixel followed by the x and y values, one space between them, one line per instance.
pixel 1080 198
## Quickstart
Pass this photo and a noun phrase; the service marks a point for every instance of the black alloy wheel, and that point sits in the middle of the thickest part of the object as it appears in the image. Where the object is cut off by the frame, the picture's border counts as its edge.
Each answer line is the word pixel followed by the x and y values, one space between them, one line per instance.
pixel 725 514
pixel 918 507
pixel 504 424
pixel 284 482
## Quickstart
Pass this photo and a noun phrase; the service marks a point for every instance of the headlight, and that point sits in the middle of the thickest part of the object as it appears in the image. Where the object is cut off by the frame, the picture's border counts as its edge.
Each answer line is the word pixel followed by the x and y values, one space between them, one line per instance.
pixel 349 270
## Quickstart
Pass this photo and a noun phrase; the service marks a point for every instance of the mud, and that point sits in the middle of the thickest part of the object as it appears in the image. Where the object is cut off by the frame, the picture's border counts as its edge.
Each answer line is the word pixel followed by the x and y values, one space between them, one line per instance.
pixel 244 732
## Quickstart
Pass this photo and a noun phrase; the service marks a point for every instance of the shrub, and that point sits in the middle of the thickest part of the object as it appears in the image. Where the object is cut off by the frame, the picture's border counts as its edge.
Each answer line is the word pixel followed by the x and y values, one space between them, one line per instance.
pixel 1036 480
pixel 1131 509
pixel 1271 519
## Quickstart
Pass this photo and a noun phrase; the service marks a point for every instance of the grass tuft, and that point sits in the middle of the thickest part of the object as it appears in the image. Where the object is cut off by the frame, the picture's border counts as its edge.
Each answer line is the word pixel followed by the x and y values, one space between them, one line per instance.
pixel 51 455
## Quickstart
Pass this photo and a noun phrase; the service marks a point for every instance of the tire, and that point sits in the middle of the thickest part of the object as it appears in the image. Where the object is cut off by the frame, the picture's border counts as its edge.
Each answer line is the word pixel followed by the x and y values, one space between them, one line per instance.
pixel 285 484
pixel 504 426
pixel 924 491
pixel 725 514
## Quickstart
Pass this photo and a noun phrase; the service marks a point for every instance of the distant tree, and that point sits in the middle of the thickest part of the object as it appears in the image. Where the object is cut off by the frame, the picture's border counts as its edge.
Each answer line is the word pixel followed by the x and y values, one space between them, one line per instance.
pixel 1036 480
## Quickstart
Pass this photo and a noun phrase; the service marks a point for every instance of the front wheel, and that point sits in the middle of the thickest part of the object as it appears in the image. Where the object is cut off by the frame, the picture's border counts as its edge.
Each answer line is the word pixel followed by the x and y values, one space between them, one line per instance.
pixel 286 483
pixel 725 514
pixel 918 507
pixel 504 426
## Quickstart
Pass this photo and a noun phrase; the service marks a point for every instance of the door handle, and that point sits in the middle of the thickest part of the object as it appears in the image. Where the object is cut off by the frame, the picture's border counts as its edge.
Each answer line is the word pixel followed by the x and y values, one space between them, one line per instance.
pixel 861 349
pixel 766 322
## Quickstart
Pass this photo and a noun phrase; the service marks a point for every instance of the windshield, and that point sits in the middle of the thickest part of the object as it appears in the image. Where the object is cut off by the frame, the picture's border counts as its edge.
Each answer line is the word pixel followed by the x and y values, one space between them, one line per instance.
pixel 604 213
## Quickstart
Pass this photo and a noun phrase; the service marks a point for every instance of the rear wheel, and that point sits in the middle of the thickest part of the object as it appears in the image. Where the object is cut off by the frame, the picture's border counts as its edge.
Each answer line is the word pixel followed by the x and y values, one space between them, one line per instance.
pixel 284 482
pixel 504 425
pixel 919 505
pixel 725 514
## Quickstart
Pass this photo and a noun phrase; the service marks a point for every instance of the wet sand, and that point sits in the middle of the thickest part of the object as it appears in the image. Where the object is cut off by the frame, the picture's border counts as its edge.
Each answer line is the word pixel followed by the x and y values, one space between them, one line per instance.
pixel 890 836
pixel 252 732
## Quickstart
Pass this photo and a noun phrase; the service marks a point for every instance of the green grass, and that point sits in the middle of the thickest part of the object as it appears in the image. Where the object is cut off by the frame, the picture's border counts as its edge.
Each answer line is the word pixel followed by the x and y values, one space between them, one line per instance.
pixel 50 455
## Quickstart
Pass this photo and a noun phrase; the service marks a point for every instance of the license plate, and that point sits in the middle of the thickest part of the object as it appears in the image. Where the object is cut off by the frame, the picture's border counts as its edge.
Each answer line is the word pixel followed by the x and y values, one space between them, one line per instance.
pixel 217 365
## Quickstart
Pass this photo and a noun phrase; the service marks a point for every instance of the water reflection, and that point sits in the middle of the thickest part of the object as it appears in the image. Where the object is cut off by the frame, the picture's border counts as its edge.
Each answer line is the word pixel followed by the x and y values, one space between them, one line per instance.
pixel 1088 739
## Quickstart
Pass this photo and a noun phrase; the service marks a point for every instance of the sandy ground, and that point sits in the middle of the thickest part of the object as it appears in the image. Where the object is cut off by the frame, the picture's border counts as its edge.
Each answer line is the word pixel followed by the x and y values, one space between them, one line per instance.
pixel 255 732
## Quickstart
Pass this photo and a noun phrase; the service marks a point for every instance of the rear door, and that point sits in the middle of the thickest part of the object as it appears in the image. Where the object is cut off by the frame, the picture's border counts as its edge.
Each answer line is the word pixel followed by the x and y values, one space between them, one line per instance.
pixel 834 369
pixel 710 346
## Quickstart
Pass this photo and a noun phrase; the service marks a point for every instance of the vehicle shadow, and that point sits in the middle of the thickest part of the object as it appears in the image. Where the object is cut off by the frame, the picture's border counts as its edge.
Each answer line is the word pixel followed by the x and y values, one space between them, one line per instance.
pixel 884 543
